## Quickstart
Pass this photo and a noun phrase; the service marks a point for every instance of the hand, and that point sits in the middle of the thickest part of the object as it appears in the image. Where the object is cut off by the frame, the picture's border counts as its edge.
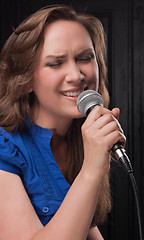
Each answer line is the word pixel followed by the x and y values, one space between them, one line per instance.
pixel 100 132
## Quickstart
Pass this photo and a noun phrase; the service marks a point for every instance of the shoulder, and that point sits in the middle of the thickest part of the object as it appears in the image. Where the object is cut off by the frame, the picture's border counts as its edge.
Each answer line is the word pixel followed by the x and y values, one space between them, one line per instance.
pixel 9 142
pixel 11 158
pixel 6 144
pixel 13 142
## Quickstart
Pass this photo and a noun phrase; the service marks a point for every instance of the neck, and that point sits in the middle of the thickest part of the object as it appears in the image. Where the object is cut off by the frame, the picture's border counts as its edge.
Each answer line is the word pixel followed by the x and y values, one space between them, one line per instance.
pixel 57 140
pixel 58 125
pixel 59 150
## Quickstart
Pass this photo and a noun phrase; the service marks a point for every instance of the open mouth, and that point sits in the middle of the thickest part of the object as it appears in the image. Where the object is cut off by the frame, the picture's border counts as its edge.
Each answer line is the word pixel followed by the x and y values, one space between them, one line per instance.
pixel 72 94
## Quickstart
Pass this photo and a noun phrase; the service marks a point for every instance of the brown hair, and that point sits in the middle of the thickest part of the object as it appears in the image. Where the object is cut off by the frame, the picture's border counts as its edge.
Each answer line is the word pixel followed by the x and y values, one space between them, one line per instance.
pixel 19 57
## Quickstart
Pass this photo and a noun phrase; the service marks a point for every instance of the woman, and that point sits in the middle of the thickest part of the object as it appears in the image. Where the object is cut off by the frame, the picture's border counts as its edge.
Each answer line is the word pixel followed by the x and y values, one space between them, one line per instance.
pixel 54 163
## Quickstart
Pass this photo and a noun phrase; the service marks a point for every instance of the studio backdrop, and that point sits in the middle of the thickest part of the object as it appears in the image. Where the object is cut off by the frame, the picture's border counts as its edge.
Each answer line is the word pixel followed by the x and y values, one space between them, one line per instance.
pixel 123 22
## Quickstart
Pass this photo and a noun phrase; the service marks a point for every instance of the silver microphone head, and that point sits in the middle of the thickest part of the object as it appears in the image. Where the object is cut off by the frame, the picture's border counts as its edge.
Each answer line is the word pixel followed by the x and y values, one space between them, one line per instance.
pixel 88 100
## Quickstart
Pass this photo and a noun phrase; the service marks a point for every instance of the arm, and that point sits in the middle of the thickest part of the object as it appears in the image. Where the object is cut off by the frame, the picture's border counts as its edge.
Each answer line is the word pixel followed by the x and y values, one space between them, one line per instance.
pixel 94 234
pixel 18 220
pixel 73 218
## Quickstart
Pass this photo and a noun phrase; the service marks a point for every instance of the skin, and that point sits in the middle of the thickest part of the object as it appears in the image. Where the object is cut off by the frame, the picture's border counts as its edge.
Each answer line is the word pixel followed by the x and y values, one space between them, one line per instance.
pixel 71 68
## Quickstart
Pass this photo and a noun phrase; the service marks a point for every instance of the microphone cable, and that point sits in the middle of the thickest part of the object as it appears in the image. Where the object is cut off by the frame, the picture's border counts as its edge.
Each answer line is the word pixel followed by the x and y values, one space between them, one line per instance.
pixel 130 174
pixel 135 190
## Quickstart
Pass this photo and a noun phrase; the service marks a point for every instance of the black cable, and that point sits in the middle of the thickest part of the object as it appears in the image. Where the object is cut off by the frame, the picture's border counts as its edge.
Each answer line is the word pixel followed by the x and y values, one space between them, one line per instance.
pixel 134 185
pixel 126 164
pixel 123 160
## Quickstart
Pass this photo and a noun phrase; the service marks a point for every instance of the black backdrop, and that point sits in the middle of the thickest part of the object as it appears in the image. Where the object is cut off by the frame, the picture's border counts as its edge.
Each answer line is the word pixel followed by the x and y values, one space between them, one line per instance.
pixel 124 24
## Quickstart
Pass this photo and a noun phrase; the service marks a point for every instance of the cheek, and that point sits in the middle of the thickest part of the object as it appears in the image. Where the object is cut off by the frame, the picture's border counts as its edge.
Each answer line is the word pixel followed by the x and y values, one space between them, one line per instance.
pixel 97 79
pixel 92 76
pixel 45 80
pixel 96 75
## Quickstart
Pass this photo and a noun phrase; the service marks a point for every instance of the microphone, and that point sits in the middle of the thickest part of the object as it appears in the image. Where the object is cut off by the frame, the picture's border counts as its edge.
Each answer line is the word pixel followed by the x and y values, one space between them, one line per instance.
pixel 86 101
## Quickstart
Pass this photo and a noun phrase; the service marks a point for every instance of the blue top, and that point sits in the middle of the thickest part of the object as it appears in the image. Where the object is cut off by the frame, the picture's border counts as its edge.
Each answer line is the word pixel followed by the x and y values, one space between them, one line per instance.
pixel 28 154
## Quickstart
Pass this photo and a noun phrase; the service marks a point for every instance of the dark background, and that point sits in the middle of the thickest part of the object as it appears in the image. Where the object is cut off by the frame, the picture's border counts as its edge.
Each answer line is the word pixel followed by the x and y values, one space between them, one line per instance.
pixel 123 21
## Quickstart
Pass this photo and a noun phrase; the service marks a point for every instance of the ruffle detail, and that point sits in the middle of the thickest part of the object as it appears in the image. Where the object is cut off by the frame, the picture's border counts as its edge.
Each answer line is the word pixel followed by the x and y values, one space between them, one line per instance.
pixel 11 159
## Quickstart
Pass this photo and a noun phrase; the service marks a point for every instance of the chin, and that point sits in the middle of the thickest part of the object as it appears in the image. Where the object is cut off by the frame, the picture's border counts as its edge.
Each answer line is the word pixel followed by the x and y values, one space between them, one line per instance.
pixel 77 114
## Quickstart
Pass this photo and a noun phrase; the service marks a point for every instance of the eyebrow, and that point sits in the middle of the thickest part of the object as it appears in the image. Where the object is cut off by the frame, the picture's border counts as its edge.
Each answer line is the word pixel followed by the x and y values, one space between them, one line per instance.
pixel 61 55
pixel 85 51
pixel 56 56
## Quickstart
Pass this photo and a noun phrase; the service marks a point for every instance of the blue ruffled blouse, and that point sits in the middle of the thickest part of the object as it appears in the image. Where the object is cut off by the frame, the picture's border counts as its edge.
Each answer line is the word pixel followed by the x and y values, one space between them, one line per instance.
pixel 28 154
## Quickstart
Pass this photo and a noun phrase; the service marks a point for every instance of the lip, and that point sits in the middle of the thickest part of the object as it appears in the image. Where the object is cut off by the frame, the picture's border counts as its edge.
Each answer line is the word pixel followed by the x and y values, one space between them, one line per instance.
pixel 72 94
pixel 73 90
pixel 72 99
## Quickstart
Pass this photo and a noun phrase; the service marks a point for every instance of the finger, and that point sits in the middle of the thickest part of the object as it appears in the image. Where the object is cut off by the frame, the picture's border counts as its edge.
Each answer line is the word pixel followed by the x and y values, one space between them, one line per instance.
pixel 116 112
pixel 105 119
pixel 95 114
pixel 110 127
pixel 114 137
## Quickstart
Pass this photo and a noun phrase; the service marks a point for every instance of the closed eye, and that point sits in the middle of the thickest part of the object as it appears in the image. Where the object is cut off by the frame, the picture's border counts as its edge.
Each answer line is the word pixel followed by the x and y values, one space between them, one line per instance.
pixel 54 64
pixel 87 58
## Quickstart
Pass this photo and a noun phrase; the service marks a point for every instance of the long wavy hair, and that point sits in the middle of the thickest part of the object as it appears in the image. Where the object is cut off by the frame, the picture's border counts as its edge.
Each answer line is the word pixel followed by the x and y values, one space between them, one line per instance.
pixel 18 60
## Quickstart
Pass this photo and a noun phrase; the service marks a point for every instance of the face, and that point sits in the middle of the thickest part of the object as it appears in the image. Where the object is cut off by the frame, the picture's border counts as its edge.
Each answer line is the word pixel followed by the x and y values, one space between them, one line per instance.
pixel 67 66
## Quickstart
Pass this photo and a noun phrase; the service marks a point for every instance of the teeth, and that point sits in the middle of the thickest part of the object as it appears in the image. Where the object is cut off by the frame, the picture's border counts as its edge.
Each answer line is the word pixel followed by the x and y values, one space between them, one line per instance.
pixel 72 94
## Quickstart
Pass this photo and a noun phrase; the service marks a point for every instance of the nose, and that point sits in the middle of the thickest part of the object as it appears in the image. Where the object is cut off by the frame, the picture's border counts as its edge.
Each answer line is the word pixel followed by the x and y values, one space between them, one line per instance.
pixel 74 73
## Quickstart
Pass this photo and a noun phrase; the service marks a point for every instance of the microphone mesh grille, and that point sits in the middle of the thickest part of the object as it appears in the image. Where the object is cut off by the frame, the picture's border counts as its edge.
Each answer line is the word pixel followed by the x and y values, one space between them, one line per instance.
pixel 88 99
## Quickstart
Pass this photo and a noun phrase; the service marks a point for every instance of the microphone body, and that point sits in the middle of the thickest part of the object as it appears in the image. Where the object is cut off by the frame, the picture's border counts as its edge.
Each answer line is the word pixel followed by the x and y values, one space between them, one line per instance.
pixel 86 101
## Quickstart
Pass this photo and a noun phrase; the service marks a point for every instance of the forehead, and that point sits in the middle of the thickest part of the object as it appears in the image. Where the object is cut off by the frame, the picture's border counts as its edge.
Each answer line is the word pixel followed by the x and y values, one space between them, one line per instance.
pixel 66 34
